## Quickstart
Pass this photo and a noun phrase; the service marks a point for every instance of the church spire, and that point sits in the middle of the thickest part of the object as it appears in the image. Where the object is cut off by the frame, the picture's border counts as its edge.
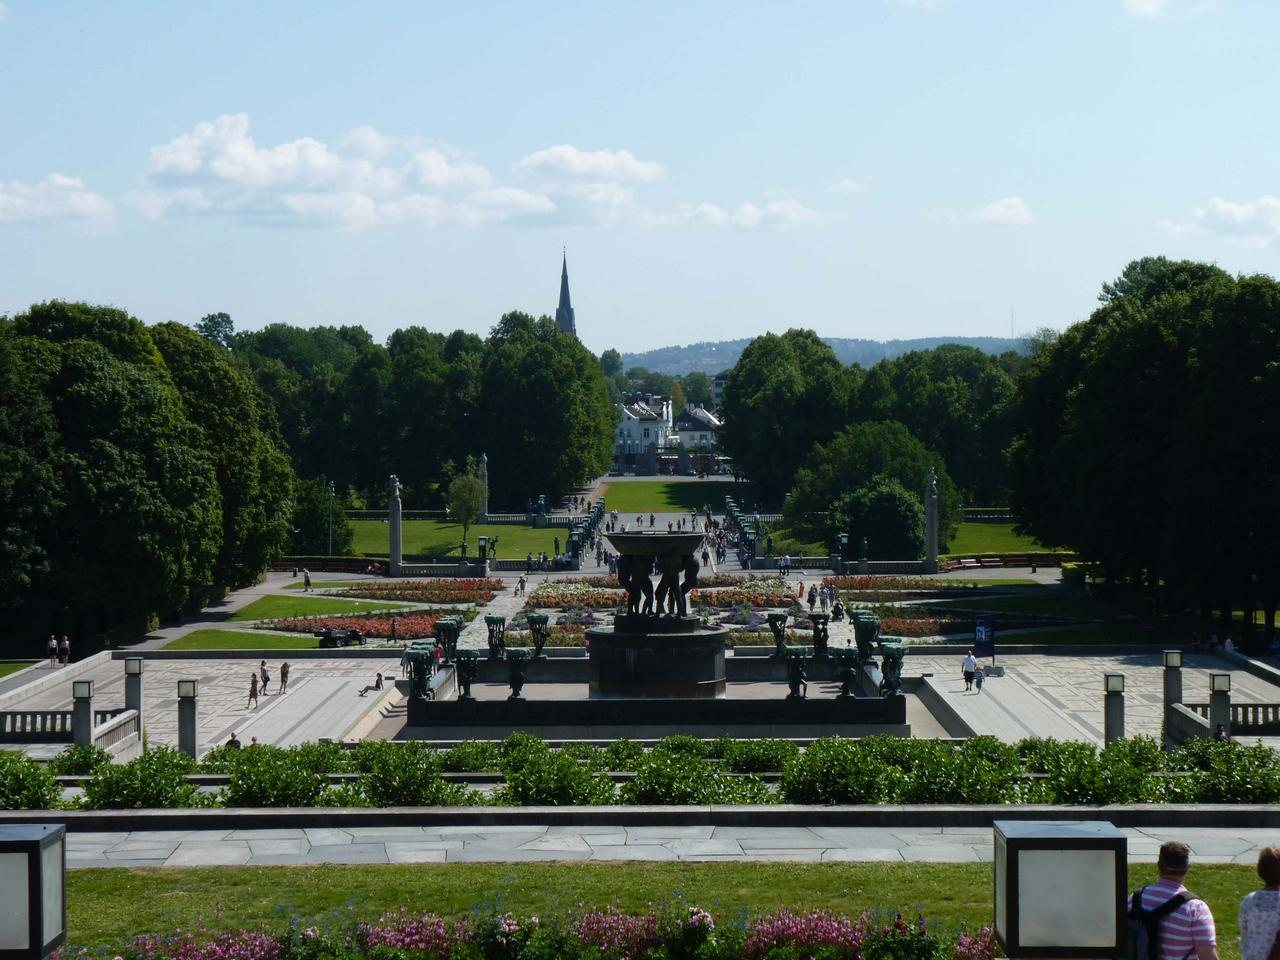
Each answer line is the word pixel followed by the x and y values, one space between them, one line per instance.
pixel 564 312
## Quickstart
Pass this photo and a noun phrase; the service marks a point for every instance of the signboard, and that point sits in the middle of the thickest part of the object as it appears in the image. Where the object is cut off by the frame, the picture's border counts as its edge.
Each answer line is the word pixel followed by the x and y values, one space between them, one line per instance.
pixel 984 635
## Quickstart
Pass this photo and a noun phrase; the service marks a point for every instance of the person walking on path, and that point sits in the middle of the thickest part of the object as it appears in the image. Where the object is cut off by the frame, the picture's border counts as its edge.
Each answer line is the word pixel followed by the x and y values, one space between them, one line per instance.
pixel 266 677
pixel 404 661
pixel 978 677
pixel 284 677
pixel 528 563
pixel 53 650
pixel 813 597
pixel 234 742
pixel 1259 921
pixel 967 668
pixel 1183 924
pixel 64 650
pixel 306 580
pixel 253 690
pixel 393 630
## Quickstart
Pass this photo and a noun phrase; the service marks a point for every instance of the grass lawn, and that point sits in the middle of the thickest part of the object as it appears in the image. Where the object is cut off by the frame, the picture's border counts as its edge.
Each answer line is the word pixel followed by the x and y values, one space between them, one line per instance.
pixel 325 584
pixel 241 640
pixel 110 905
pixel 977 539
pixel 268 608
pixel 994 582
pixel 665 496
pixel 14 667
pixel 1049 604
pixel 437 538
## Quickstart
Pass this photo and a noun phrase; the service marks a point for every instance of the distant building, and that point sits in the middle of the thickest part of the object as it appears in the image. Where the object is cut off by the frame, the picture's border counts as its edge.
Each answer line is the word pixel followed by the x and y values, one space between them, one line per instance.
pixel 644 422
pixel 717 388
pixel 695 428
pixel 564 312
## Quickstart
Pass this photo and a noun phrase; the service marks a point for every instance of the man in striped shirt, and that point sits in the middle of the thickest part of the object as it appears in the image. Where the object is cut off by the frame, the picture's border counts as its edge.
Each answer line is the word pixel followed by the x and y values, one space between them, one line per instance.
pixel 1188 931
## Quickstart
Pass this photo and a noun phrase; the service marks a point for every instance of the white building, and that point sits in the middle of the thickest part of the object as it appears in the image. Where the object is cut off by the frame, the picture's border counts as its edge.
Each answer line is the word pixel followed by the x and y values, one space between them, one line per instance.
pixel 644 421
pixel 695 428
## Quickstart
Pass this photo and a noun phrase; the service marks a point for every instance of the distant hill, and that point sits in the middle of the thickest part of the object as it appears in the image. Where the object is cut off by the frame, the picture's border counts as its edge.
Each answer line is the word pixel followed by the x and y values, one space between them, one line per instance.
pixel 712 358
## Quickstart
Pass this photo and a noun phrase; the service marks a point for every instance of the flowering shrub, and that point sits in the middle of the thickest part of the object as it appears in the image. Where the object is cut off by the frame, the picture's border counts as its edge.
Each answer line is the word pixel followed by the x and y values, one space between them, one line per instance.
pixel 764 594
pixel 560 594
pixel 427 591
pixel 410 625
pixel 601 934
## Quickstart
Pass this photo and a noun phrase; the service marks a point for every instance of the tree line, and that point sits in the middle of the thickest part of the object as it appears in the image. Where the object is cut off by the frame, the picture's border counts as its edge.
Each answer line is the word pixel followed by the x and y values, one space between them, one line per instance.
pixel 147 469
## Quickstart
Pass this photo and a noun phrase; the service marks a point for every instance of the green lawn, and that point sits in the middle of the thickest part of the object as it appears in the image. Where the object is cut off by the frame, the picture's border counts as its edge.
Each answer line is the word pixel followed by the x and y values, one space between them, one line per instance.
pixel 325 584
pixel 437 538
pixel 241 640
pixel 1047 604
pixel 268 608
pixel 14 667
pixel 108 906
pixel 977 539
pixel 665 496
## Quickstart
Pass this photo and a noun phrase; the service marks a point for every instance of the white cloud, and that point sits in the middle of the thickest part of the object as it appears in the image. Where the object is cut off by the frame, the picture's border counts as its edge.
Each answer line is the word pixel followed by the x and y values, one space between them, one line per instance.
pixel 1146 9
pixel 1256 221
pixel 1008 211
pixel 776 215
pixel 502 203
pixel 611 165
pixel 56 197
pixel 847 187
pixel 154 204
pixel 367 142
pixel 433 169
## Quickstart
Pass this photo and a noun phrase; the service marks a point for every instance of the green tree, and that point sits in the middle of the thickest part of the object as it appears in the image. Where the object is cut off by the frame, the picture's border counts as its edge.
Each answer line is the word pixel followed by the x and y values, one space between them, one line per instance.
pixel 217 328
pixel 611 362
pixel 853 458
pixel 785 394
pixel 237 426
pixel 678 399
pixel 465 498
pixel 311 512
pixel 886 514
pixel 697 388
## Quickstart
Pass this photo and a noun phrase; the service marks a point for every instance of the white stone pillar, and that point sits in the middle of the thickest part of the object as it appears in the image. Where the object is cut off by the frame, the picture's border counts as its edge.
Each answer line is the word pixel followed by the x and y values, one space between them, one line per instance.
pixel 483 473
pixel 931 524
pixel 393 511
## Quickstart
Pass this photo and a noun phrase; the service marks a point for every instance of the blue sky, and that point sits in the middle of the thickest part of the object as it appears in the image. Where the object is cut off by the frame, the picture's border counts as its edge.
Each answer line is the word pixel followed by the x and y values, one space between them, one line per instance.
pixel 871 168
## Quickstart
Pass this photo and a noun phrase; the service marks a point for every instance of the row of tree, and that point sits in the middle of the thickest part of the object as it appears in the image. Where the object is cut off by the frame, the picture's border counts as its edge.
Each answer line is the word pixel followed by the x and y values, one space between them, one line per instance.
pixel 851 449
pixel 1152 438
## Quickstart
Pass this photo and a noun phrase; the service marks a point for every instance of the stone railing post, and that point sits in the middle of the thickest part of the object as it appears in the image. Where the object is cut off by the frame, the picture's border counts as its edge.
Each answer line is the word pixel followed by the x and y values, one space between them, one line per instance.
pixel 82 712
pixel 1172 690
pixel 1113 708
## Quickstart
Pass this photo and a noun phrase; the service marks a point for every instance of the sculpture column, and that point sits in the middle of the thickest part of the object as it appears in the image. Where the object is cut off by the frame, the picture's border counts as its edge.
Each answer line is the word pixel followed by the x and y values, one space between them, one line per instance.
pixel 931 524
pixel 393 515
pixel 483 473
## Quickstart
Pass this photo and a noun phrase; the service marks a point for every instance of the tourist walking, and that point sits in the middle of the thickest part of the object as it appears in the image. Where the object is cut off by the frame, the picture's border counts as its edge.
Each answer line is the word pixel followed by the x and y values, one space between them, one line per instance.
pixel 306 580
pixel 284 677
pixel 234 742
pixel 813 597
pixel 967 668
pixel 978 676
pixel 253 690
pixel 393 630
pixel 266 677
pixel 64 650
pixel 53 650
pixel 1180 920
pixel 1259 921
pixel 404 660
pixel 528 562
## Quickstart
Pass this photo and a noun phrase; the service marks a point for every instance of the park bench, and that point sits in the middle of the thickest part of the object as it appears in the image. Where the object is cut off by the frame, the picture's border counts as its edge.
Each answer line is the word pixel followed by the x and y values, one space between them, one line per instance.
pixel 968 564
pixel 990 562
pixel 1017 562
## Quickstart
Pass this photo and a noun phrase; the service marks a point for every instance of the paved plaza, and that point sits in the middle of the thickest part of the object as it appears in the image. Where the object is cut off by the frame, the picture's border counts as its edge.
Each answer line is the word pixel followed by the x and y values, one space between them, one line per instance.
pixel 321 700
pixel 472 844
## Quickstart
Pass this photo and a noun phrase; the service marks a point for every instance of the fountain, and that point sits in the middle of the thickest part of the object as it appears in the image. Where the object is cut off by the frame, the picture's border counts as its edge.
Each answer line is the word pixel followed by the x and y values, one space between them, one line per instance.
pixel 660 652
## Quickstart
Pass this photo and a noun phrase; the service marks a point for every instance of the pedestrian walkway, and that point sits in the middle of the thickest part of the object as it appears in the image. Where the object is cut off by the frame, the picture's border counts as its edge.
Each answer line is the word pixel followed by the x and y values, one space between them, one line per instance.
pixel 503 844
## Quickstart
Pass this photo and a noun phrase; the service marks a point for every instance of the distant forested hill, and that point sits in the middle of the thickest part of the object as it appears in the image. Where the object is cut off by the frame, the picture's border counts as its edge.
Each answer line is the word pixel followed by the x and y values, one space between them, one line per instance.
pixel 712 358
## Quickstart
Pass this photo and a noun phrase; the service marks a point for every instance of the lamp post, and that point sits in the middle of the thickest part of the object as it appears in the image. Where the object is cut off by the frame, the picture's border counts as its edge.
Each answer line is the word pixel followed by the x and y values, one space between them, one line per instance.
pixel 1220 705
pixel 133 686
pixel 1172 689
pixel 331 496
pixel 82 712
pixel 33 876
pixel 1060 889
pixel 188 691
pixel 1113 708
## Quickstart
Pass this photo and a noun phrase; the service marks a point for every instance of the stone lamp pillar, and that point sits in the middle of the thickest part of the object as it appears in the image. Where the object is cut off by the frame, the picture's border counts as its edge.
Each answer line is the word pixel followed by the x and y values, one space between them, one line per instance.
pixel 133 686
pixel 188 691
pixel 1220 703
pixel 1113 708
pixel 1172 689
pixel 82 712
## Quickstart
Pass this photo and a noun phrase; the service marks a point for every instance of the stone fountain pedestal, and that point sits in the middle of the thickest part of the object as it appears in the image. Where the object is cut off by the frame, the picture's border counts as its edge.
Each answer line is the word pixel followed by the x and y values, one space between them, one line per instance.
pixel 663 657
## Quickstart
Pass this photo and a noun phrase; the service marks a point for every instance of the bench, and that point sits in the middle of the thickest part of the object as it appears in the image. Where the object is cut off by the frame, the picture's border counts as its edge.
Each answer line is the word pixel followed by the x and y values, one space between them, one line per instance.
pixel 990 562
pixel 968 564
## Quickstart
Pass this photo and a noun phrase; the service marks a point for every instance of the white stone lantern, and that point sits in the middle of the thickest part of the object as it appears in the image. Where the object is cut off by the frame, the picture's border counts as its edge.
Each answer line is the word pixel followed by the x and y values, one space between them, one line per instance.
pixel 33 876
pixel 1060 889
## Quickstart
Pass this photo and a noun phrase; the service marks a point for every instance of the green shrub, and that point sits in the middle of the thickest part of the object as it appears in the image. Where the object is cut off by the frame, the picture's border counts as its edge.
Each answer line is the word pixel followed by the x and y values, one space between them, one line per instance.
pixel 666 777
pixel 623 754
pixel 589 755
pixel 155 780
pixel 323 756
pixel 1141 753
pixel 473 756
pixel 521 748
pixel 684 743
pixel 758 756
pixel 272 777
pixel 1236 774
pixel 78 761
pixel 406 775
pixel 554 778
pixel 836 770
pixel 222 759
pixel 25 784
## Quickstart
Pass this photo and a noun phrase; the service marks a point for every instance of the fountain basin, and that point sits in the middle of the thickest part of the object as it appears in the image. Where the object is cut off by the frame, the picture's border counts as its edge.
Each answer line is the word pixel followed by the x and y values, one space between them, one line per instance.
pixel 658 657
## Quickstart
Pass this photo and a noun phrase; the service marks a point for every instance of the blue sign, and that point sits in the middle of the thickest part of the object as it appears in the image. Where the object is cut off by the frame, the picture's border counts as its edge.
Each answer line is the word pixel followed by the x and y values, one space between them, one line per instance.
pixel 984 635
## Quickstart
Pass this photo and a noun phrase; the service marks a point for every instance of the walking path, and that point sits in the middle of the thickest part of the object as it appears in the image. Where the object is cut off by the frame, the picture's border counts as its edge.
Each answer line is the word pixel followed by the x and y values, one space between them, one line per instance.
pixel 470 844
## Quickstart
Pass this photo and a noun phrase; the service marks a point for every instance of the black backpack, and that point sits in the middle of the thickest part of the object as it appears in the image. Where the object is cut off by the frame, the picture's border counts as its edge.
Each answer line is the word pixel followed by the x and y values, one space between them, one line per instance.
pixel 1144 924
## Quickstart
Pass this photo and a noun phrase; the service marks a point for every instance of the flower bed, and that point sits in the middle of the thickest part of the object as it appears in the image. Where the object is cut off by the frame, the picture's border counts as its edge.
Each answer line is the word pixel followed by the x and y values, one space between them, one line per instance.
pixel 559 594
pixel 410 625
pixel 765 594
pixel 678 932
pixel 426 591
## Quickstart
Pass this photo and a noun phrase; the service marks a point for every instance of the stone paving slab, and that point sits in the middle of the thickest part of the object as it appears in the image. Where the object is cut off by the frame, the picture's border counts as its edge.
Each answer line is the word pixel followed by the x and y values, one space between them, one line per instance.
pixel 621 842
